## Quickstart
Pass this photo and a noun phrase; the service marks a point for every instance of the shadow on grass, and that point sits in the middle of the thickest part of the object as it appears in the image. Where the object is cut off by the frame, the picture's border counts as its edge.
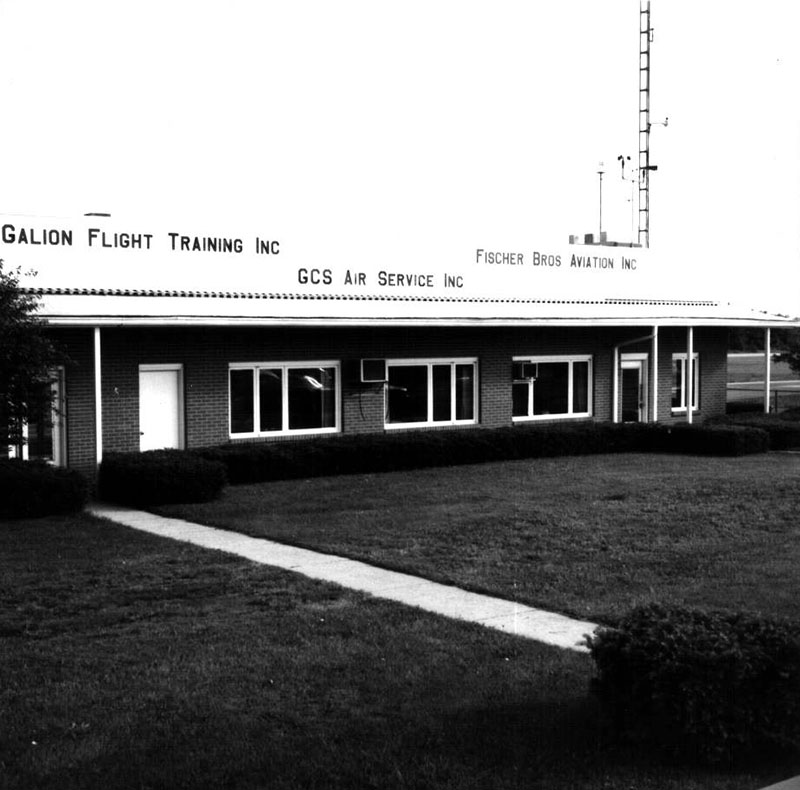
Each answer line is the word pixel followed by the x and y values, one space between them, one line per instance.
pixel 568 744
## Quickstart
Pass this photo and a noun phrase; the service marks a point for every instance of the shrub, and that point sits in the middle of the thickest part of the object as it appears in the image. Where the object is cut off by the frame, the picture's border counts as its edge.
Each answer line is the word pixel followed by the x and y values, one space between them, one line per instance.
pixel 783 431
pixel 33 488
pixel 714 687
pixel 361 453
pixel 159 477
pixel 724 440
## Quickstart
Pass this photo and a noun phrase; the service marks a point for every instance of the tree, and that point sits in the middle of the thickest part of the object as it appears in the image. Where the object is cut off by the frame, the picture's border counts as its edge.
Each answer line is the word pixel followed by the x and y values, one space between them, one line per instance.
pixel 791 350
pixel 27 359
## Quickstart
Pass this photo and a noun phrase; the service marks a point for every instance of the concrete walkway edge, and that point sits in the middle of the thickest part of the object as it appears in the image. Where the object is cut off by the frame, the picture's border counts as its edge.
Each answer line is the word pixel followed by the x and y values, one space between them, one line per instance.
pixel 541 626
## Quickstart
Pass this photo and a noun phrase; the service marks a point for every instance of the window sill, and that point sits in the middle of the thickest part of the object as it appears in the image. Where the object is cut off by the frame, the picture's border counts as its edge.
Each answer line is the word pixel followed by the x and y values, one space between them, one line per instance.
pixel 553 417
pixel 278 434
pixel 399 426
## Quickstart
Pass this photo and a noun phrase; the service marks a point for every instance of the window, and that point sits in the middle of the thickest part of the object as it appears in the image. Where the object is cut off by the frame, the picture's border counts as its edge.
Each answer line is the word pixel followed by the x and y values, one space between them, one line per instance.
pixel 267 398
pixel 679 382
pixel 548 387
pixel 43 432
pixel 431 392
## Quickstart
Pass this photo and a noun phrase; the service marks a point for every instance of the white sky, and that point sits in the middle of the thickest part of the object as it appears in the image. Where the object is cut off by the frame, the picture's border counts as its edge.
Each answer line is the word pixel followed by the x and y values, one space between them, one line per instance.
pixel 407 131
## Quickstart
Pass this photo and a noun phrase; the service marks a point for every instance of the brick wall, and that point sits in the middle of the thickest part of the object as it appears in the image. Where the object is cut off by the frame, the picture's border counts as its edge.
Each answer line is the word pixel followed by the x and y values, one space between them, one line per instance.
pixel 205 354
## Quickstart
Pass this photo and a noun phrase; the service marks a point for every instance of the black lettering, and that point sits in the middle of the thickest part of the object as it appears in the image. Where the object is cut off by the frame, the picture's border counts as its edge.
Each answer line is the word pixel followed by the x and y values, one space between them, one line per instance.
pixel 264 247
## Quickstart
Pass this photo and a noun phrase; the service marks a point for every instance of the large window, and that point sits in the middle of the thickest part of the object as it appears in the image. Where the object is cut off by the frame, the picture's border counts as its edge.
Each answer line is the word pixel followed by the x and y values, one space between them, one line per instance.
pixel 431 392
pixel 679 382
pixel 551 387
pixel 277 398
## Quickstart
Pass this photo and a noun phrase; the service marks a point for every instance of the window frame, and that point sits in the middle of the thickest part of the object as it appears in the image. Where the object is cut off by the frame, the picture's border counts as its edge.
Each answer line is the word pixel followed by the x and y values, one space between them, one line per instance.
pixel 570 359
pixel 429 363
pixel 680 358
pixel 285 368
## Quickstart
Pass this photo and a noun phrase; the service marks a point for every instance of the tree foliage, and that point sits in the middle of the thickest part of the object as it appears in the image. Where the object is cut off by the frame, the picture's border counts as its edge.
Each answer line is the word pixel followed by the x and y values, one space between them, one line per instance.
pixel 791 350
pixel 27 359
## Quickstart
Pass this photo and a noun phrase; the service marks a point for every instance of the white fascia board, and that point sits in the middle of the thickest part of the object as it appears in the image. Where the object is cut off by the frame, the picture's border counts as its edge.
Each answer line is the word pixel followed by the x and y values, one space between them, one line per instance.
pixel 238 321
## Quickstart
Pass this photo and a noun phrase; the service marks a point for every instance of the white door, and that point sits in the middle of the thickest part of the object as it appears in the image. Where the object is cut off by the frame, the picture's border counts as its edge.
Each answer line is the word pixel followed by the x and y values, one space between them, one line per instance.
pixel 160 407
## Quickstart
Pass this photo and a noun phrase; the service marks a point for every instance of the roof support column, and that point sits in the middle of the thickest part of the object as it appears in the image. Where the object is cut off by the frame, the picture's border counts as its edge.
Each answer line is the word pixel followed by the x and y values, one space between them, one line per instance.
pixel 689 374
pixel 98 397
pixel 615 387
pixel 767 371
pixel 654 400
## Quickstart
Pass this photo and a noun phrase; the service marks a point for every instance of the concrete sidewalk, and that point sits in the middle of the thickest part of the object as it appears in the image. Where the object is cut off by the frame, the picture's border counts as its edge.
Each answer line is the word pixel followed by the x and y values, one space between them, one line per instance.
pixel 546 627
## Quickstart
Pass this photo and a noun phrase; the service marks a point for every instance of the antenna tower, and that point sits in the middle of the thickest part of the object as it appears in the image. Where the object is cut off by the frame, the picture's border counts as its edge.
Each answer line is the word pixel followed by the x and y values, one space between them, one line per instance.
pixel 645 39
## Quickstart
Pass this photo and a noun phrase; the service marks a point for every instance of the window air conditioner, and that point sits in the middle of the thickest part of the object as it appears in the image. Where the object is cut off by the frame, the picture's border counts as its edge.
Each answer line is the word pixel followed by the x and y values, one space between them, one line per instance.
pixel 373 371
pixel 525 370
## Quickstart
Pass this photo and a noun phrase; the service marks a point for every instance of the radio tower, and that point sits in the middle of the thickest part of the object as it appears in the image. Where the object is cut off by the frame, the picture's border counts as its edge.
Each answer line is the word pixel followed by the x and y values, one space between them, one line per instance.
pixel 645 39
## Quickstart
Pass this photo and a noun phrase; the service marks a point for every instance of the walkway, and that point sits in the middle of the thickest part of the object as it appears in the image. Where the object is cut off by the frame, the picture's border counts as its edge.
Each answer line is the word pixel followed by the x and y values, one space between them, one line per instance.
pixel 546 627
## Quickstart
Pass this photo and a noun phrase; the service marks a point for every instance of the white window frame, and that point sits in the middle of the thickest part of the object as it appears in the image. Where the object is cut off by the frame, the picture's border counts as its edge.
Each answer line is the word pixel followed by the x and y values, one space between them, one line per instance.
pixel 680 358
pixel 429 363
pixel 569 415
pixel 58 423
pixel 285 367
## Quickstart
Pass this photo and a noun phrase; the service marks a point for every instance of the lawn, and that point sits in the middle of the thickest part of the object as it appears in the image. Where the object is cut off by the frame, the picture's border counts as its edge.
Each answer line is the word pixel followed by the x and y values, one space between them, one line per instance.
pixel 129 661
pixel 588 536
pixel 750 367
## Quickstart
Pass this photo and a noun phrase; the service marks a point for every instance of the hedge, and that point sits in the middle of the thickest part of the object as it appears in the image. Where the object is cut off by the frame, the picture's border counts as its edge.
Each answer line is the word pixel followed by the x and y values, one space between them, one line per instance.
pixel 710 687
pixel 360 453
pixel 31 489
pixel 159 477
pixel 784 432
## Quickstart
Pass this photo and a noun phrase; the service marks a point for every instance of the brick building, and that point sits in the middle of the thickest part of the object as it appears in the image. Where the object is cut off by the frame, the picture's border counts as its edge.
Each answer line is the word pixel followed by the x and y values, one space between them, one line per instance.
pixel 327 350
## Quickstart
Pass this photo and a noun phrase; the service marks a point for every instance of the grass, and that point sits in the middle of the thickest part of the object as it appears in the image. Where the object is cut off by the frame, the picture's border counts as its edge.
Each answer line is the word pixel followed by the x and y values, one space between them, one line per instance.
pixel 130 661
pixel 750 367
pixel 588 536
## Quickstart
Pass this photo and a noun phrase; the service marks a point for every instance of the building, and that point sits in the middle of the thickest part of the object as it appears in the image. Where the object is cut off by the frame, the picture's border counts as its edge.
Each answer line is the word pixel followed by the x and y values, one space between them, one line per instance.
pixel 487 339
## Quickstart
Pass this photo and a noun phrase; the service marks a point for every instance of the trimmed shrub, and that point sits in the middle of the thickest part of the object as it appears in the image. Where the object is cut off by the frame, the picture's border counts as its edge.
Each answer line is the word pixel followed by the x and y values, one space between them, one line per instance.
pixel 783 432
pixel 363 453
pixel 724 440
pixel 158 477
pixel 31 489
pixel 708 686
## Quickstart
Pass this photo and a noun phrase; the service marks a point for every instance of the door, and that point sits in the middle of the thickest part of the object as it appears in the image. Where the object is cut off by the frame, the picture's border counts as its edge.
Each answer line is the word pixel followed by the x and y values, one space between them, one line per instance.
pixel 633 389
pixel 160 407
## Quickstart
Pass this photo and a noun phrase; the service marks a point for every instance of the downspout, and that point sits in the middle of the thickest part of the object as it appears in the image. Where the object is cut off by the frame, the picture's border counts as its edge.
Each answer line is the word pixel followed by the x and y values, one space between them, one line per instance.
pixel 689 373
pixel 98 398
pixel 767 372
pixel 615 376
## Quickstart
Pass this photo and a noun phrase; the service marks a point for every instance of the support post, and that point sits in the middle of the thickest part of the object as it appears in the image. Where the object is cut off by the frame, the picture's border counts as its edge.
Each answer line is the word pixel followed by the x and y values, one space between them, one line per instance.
pixel 615 387
pixel 767 371
pixel 98 398
pixel 689 373
pixel 654 400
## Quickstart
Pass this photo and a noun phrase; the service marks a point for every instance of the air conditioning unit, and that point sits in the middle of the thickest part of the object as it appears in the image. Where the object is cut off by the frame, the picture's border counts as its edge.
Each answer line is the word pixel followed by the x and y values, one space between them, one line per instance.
pixel 373 371
pixel 525 370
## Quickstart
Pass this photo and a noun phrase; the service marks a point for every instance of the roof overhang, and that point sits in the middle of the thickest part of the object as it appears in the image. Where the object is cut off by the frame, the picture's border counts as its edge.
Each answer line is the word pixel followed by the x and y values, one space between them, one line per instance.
pixel 82 308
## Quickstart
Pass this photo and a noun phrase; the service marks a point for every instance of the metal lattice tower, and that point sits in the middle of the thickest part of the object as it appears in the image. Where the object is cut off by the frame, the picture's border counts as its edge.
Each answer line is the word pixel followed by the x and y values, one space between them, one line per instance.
pixel 645 39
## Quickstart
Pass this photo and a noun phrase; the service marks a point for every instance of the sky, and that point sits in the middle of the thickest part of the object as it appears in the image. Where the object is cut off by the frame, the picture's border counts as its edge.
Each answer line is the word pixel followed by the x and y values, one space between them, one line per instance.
pixel 414 133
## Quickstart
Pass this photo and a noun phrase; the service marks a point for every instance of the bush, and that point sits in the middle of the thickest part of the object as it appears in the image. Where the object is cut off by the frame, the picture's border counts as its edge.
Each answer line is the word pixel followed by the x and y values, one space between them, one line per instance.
pixel 159 477
pixel 362 453
pixel 33 488
pixel 783 431
pixel 723 440
pixel 713 687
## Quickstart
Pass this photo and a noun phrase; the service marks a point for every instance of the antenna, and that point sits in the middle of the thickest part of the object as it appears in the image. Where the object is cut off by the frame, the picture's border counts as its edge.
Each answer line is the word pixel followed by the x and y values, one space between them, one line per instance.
pixel 645 39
